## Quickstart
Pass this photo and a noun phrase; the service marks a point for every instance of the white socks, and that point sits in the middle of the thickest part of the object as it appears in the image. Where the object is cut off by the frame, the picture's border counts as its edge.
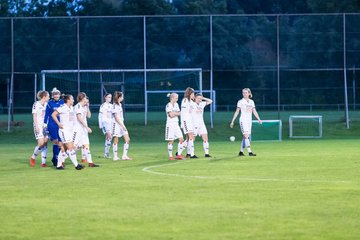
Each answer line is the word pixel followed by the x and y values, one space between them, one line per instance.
pixel 206 147
pixel 43 155
pixel 170 149
pixel 107 146
pixel 180 148
pixel 126 149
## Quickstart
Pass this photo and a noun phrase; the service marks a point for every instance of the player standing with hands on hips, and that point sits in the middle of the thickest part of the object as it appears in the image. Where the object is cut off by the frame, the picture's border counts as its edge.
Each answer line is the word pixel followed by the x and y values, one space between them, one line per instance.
pixel 247 108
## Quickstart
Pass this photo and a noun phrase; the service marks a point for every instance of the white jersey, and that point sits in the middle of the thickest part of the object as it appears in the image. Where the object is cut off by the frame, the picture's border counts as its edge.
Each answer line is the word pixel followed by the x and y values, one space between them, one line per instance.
pixel 246 108
pixel 186 109
pixel 198 113
pixel 83 112
pixel 39 110
pixel 67 116
pixel 117 110
pixel 105 113
pixel 172 108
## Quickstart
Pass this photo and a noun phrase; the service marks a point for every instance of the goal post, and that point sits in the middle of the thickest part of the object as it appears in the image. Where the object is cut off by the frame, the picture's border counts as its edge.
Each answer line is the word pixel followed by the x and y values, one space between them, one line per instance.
pixel 137 84
pixel 303 126
pixel 269 130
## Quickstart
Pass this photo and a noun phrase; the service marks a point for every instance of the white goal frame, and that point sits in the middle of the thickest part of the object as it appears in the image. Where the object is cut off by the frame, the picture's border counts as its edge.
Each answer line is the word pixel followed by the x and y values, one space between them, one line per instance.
pixel 291 126
pixel 146 91
pixel 270 121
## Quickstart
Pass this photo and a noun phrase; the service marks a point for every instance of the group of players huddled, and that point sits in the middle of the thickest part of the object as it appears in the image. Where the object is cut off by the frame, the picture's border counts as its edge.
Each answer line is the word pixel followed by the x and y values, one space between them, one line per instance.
pixel 66 126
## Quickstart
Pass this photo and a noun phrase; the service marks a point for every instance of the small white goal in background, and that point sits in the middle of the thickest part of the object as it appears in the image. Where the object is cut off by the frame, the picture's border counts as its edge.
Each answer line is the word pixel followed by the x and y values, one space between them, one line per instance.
pixel 305 126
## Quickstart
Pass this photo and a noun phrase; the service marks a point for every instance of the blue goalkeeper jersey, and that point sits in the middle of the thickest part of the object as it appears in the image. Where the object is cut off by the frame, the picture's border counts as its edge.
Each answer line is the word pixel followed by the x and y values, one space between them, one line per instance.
pixel 52 105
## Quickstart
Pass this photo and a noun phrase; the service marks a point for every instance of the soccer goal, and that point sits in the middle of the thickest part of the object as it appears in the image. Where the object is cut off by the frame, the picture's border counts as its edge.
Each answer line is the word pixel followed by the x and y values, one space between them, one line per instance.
pixel 269 130
pixel 305 126
pixel 144 89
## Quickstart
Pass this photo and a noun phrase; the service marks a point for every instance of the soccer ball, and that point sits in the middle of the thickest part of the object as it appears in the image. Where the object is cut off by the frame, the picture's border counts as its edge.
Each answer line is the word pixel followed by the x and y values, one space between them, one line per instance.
pixel 232 138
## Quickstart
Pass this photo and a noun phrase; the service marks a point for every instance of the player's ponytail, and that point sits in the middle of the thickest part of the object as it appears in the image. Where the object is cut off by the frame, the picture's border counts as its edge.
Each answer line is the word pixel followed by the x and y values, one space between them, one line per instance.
pixel 117 95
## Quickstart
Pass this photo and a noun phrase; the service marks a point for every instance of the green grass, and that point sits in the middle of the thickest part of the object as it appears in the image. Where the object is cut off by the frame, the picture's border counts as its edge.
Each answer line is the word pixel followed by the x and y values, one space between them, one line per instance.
pixel 294 189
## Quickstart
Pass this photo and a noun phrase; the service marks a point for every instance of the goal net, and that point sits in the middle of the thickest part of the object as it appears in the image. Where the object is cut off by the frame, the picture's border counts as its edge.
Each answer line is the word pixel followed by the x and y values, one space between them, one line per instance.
pixel 305 126
pixel 269 130
pixel 144 89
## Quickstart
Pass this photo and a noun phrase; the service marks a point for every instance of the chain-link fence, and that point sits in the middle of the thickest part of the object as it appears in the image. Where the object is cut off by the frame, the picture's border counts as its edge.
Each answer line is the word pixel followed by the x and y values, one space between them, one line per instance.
pixel 294 62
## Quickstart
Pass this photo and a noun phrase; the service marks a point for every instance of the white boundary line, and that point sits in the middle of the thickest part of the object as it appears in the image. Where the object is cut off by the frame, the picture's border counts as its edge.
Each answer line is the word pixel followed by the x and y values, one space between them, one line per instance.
pixel 148 170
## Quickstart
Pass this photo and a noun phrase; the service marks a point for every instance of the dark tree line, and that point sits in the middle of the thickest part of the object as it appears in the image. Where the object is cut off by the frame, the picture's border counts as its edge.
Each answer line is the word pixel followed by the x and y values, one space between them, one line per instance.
pixel 170 7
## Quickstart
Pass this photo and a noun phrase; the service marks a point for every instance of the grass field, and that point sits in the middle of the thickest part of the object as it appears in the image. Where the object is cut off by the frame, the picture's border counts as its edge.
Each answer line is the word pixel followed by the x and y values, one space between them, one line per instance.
pixel 294 189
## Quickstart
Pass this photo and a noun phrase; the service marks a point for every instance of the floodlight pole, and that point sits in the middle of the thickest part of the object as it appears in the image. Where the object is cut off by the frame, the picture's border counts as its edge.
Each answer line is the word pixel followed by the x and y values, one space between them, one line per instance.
pixel 11 86
pixel 345 79
pixel 78 51
pixel 278 61
pixel 145 71
pixel 211 72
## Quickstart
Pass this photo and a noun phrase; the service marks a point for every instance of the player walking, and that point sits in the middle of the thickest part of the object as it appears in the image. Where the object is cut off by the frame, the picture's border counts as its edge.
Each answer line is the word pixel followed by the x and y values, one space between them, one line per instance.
pixel 51 125
pixel 38 112
pixel 247 108
pixel 66 132
pixel 199 125
pixel 81 128
pixel 119 128
pixel 105 122
pixel 172 130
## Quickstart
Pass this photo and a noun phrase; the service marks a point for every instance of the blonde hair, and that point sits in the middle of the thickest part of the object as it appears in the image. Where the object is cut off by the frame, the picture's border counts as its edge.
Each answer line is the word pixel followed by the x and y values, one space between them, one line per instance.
pixel 40 94
pixel 171 95
pixel 55 91
pixel 249 91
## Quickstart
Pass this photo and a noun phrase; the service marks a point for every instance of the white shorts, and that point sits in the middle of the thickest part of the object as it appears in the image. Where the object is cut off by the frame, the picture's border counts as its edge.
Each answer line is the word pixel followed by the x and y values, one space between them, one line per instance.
pixel 106 127
pixel 245 127
pixel 40 134
pixel 117 131
pixel 200 129
pixel 81 137
pixel 187 126
pixel 172 132
pixel 66 135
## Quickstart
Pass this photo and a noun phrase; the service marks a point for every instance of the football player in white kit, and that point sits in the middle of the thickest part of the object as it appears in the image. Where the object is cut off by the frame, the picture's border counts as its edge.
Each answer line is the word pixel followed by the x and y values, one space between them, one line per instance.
pixel 66 132
pixel 38 112
pixel 187 106
pixel 105 122
pixel 247 108
pixel 119 129
pixel 172 130
pixel 199 125
pixel 82 130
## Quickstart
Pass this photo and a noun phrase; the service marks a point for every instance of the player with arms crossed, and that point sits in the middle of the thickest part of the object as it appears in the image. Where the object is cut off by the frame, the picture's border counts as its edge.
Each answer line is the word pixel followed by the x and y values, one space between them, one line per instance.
pixel 172 130
pixel 199 125
pixel 51 125
pixel 119 128
pixel 105 122
pixel 81 128
pixel 247 108
pixel 66 132
pixel 38 112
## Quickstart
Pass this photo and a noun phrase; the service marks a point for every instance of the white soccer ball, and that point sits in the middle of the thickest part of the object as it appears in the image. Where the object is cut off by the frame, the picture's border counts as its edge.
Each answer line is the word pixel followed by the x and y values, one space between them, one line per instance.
pixel 232 138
